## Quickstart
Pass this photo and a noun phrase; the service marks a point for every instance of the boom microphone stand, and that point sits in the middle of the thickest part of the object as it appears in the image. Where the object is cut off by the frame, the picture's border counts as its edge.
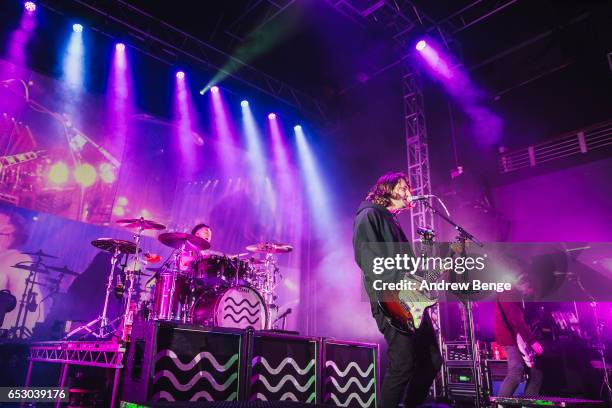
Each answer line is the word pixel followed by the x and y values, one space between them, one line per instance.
pixel 464 236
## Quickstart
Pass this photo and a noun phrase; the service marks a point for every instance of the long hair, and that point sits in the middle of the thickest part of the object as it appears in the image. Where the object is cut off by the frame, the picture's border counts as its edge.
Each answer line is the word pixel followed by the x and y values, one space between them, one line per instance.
pixel 381 192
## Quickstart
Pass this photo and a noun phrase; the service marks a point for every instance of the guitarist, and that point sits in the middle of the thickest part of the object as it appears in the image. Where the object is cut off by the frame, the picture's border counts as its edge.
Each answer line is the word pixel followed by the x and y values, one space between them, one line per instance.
pixel 510 329
pixel 414 359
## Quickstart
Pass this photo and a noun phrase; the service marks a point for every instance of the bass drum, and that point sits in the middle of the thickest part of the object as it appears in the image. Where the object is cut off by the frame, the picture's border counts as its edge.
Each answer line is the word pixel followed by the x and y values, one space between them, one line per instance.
pixel 238 307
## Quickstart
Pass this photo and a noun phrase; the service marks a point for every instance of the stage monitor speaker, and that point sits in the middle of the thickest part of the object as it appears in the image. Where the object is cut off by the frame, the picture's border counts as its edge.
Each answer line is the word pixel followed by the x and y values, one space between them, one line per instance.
pixel 171 362
pixel 350 374
pixel 282 367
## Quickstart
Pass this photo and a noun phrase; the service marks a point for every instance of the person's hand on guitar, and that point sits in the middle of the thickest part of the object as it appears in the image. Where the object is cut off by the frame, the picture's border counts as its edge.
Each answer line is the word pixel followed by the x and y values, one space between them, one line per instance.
pixel 537 348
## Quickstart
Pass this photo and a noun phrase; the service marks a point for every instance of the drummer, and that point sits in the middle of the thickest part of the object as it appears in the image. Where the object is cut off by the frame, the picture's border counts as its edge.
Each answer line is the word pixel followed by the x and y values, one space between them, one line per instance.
pixel 203 231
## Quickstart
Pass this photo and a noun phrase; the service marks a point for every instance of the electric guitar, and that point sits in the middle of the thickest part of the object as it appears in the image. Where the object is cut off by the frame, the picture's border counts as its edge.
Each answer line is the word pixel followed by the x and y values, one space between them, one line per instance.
pixel 405 309
pixel 526 351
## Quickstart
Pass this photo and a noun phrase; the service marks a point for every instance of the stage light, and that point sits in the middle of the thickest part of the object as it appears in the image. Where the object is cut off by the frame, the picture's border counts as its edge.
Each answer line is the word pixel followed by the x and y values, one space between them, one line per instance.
pixel 180 75
pixel 244 104
pixel 420 46
pixel 77 28
pixel 107 173
pixel 214 89
pixel 297 128
pixel 272 116
pixel 120 47
pixel 30 6
pixel 58 173
pixel 85 174
pixel 119 211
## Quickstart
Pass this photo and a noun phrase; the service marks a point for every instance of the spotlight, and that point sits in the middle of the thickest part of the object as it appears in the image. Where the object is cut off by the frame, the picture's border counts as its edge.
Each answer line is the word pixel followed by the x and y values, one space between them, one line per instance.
pixel 58 173
pixel 30 6
pixel 180 75
pixel 203 91
pixel 120 47
pixel 214 89
pixel 77 28
pixel 107 173
pixel 297 128
pixel 272 116
pixel 85 174
pixel 244 104
pixel 420 46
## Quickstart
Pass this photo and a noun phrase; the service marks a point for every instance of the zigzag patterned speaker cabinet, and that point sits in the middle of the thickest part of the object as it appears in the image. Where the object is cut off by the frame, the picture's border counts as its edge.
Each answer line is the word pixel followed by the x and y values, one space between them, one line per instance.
pixel 350 374
pixel 282 368
pixel 169 362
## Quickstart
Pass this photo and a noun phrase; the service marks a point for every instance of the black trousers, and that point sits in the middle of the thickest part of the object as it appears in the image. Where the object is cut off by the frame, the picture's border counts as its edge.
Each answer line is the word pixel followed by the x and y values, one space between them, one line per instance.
pixel 414 361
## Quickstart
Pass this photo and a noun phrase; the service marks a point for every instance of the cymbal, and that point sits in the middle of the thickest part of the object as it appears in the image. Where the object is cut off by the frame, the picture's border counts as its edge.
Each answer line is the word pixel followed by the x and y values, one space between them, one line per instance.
pixel 115 245
pixel 64 270
pixel 31 267
pixel 140 223
pixel 270 248
pixel 40 253
pixel 179 239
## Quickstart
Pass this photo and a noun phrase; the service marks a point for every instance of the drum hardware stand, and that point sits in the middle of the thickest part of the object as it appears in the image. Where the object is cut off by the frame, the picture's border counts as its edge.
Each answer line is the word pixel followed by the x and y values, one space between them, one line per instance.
pixel 102 319
pixel 462 237
pixel 283 316
pixel 27 303
pixel 600 345
pixel 130 276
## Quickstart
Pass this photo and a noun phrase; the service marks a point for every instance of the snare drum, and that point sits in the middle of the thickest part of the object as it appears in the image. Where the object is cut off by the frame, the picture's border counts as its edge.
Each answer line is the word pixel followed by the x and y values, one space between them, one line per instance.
pixel 238 307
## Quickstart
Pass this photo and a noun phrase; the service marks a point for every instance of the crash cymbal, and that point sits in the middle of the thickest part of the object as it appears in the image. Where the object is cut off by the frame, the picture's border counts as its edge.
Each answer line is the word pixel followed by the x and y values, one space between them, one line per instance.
pixel 26 266
pixel 270 248
pixel 115 245
pixel 140 223
pixel 64 270
pixel 40 253
pixel 179 239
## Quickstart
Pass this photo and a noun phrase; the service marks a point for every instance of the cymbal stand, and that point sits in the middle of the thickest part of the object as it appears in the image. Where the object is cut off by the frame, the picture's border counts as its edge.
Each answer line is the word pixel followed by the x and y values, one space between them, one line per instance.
pixel 131 276
pixel 103 331
pixel 20 330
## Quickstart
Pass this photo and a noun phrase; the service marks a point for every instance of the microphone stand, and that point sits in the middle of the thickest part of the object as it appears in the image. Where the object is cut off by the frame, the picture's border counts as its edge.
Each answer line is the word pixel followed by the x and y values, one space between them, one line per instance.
pixel 462 237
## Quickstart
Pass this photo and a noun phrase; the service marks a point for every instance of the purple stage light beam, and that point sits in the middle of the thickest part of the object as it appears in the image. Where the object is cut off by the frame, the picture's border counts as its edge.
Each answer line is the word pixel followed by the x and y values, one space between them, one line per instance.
pixel 119 100
pixel 74 58
pixel 256 155
pixel 315 184
pixel 224 131
pixel 20 38
pixel 184 116
pixel 487 126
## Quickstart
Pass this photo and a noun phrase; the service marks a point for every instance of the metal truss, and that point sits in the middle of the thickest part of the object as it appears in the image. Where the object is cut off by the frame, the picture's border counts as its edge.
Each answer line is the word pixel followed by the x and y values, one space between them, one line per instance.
pixel 473 13
pixel 95 354
pixel 237 29
pixel 403 19
pixel 170 45
pixel 417 148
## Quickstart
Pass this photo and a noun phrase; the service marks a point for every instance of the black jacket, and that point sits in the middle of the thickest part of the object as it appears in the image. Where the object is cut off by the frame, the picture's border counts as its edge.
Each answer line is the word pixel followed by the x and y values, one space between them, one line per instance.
pixel 376 233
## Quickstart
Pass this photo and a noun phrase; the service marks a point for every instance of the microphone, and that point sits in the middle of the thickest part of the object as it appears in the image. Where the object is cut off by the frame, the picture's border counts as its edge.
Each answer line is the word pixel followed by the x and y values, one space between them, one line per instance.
pixel 421 197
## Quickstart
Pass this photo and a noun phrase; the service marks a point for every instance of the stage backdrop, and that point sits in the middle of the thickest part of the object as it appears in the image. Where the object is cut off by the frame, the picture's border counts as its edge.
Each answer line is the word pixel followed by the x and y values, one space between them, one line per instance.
pixel 72 163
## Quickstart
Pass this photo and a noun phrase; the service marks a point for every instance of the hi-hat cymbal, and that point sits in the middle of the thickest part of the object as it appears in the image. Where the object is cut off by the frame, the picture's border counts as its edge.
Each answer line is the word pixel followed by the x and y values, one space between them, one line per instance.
pixel 40 253
pixel 270 248
pixel 140 223
pixel 179 240
pixel 35 267
pixel 115 245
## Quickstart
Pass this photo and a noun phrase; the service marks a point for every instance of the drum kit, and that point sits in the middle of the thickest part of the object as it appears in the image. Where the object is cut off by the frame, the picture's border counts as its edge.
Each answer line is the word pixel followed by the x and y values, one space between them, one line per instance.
pixel 193 286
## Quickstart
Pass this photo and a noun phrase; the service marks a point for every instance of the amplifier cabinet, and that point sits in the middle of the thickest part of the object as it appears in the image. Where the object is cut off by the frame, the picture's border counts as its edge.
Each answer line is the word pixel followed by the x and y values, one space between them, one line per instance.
pixel 172 362
pixel 350 374
pixel 283 367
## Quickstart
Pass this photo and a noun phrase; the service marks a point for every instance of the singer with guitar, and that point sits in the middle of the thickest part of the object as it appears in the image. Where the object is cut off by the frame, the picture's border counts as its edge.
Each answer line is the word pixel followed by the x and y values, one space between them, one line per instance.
pixel 520 345
pixel 414 358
